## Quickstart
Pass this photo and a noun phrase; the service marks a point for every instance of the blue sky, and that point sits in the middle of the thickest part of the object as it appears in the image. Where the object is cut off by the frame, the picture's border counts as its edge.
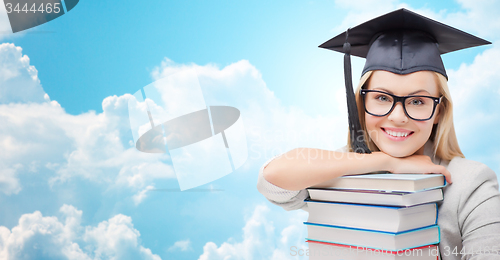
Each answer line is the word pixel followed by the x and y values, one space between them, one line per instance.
pixel 72 186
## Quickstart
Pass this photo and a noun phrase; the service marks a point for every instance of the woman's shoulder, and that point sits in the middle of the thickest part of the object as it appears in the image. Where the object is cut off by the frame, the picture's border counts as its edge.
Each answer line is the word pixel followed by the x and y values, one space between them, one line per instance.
pixel 470 173
pixel 467 165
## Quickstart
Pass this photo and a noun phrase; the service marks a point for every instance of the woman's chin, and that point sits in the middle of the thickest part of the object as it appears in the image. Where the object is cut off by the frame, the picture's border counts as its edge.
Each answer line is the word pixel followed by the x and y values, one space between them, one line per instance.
pixel 399 155
pixel 396 152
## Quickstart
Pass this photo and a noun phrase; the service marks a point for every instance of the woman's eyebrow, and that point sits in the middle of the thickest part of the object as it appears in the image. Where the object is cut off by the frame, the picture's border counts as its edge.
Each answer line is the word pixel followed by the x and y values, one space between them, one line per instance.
pixel 414 92
pixel 420 90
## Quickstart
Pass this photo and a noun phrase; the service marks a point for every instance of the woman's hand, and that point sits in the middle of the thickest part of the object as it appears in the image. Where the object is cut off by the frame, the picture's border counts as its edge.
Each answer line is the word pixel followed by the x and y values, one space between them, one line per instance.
pixel 417 164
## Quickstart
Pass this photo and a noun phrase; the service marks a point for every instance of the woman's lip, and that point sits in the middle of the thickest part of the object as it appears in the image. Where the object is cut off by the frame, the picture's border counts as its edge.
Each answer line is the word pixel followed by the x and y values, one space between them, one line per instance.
pixel 398 138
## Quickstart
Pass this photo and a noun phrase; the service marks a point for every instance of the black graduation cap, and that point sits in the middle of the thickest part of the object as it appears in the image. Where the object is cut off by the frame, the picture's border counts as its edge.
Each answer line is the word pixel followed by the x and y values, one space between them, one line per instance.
pixel 401 42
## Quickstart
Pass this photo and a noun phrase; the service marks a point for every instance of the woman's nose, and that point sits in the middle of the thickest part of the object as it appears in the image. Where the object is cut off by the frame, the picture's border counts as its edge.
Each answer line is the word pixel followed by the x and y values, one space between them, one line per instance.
pixel 398 114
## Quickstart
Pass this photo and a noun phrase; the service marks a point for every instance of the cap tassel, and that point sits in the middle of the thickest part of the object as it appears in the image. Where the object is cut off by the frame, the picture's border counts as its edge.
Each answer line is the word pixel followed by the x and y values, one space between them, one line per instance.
pixel 358 143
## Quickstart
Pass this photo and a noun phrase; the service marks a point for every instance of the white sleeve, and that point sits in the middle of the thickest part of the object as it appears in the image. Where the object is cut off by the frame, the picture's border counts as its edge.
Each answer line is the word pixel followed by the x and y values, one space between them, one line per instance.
pixel 287 199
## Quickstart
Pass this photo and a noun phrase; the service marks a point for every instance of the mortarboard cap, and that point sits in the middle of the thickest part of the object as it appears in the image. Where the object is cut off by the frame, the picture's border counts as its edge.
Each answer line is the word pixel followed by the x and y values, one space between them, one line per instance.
pixel 401 42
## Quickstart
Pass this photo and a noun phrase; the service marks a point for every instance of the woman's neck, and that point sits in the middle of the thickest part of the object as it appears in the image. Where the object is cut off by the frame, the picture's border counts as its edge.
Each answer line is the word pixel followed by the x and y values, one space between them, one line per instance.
pixel 420 151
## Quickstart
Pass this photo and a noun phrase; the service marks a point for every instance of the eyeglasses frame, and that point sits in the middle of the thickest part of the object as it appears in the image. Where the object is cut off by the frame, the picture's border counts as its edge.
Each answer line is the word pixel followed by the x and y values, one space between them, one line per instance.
pixel 402 99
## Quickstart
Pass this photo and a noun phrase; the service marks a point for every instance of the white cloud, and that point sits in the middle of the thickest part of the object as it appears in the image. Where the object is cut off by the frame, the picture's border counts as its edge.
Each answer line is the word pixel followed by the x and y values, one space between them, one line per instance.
pixel 479 17
pixel 117 239
pixel 9 184
pixel 40 135
pixel 360 12
pixel 18 79
pixel 271 128
pixel 182 245
pixel 88 145
pixel 36 135
pixel 141 195
pixel 259 239
pixel 37 236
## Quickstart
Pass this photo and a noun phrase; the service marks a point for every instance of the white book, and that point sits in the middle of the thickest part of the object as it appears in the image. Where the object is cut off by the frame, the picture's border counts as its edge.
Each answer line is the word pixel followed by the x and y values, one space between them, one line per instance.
pixel 394 198
pixel 327 251
pixel 380 218
pixel 373 239
pixel 386 182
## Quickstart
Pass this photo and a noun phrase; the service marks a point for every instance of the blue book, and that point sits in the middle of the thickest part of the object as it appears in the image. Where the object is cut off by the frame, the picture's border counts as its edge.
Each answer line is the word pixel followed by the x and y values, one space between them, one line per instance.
pixel 373 239
pixel 372 217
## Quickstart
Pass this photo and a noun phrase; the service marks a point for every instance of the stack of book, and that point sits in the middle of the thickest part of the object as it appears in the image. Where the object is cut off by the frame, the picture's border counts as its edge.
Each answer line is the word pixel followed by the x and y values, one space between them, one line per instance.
pixel 375 216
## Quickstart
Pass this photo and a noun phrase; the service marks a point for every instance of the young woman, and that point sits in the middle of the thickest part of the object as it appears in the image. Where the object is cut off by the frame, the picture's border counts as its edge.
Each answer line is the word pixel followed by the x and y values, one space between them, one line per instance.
pixel 407 117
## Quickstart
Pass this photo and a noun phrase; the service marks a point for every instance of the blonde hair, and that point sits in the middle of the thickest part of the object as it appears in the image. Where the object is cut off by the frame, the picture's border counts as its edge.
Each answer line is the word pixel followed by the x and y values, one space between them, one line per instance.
pixel 443 133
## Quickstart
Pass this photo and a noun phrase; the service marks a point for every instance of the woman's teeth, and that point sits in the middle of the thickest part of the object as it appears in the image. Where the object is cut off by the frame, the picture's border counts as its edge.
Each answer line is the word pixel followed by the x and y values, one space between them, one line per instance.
pixel 397 134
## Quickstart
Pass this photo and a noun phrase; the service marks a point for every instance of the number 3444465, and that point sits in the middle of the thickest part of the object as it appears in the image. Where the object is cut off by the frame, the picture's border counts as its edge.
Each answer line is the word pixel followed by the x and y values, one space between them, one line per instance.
pixel 33 8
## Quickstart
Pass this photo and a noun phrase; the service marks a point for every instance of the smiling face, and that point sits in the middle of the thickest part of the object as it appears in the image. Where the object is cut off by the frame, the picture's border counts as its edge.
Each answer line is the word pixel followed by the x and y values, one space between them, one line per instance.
pixel 396 134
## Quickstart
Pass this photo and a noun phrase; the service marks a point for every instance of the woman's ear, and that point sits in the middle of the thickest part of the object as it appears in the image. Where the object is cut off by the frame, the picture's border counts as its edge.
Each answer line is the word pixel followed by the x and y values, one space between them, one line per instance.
pixel 437 114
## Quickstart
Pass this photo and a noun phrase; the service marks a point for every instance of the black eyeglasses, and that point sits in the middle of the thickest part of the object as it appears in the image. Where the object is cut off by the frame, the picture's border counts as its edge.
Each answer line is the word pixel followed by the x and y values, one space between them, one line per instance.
pixel 416 107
